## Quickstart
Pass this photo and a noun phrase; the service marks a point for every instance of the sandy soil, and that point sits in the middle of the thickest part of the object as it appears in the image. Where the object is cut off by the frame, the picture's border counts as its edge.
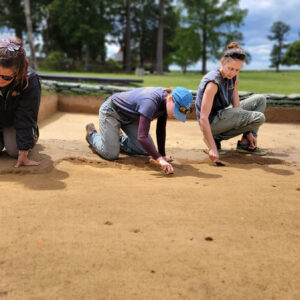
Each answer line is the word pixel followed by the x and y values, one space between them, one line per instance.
pixel 79 227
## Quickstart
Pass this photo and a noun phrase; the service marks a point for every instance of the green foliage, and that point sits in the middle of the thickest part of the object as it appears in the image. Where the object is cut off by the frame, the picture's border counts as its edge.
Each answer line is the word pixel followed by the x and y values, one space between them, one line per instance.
pixel 113 66
pixel 187 45
pixel 56 60
pixel 12 15
pixel 144 26
pixel 216 21
pixel 279 30
pixel 292 55
pixel 77 28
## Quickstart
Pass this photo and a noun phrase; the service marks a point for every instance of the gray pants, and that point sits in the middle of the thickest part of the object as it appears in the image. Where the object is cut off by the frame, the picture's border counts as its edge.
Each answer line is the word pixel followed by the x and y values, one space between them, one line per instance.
pixel 233 121
pixel 8 140
pixel 109 142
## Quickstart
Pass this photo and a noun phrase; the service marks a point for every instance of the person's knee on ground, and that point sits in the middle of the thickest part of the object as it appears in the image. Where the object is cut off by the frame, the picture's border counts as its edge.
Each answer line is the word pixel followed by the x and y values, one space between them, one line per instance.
pixel 109 154
pixel 12 151
pixel 1 141
pixel 9 141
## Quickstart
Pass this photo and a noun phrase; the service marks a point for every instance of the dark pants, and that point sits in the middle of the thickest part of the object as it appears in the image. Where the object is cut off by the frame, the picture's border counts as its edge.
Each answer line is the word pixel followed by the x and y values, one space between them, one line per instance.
pixel 9 142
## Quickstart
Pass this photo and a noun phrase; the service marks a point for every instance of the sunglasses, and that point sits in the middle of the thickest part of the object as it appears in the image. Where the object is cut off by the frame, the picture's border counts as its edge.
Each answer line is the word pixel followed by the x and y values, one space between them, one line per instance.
pixel 235 55
pixel 183 109
pixel 7 78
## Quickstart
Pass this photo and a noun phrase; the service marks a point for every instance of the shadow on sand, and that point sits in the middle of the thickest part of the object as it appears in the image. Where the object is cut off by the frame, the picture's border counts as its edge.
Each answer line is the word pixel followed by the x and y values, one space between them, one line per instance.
pixel 43 177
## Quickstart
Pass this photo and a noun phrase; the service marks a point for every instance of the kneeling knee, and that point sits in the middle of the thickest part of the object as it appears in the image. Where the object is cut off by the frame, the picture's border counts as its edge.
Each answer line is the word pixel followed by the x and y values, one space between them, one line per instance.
pixel 110 155
pixel 12 152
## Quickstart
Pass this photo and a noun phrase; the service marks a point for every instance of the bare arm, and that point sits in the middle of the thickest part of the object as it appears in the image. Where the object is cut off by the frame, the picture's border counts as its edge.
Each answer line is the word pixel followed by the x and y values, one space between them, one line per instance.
pixel 236 97
pixel 207 102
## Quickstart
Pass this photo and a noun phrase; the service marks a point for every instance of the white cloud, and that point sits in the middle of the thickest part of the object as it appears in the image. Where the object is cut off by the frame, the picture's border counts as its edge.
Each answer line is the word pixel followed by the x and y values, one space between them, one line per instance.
pixel 259 49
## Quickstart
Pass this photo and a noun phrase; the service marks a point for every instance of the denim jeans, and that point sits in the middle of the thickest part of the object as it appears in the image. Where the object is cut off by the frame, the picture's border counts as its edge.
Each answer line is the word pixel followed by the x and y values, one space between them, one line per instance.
pixel 233 121
pixel 8 140
pixel 109 142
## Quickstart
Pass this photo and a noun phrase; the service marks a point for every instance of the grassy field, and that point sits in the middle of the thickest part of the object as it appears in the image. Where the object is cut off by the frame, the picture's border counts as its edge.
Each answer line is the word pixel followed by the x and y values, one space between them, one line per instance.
pixel 284 82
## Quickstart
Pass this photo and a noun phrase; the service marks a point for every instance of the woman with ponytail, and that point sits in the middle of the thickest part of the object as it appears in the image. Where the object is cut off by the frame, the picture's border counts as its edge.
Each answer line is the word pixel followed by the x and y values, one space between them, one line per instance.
pixel 20 93
pixel 219 111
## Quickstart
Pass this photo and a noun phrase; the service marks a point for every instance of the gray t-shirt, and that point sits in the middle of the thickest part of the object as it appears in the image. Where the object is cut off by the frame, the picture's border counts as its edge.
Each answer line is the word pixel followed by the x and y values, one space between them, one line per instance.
pixel 148 101
pixel 223 97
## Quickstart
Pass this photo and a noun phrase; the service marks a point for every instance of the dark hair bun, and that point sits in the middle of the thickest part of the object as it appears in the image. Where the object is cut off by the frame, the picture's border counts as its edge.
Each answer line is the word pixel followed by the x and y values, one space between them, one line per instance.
pixel 233 45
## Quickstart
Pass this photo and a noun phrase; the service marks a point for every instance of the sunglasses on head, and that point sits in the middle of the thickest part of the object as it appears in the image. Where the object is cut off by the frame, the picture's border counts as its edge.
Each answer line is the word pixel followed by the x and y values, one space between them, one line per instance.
pixel 7 78
pixel 183 109
pixel 236 55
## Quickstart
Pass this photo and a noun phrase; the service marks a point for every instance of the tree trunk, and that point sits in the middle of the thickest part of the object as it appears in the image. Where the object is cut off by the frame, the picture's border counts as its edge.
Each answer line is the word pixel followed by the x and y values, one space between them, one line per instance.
pixel 87 59
pixel 279 55
pixel 204 41
pixel 29 33
pixel 19 33
pixel 160 39
pixel 127 39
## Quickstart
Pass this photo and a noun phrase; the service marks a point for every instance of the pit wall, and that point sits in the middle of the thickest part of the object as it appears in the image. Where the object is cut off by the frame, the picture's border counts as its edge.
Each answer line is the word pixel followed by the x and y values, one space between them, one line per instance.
pixel 85 98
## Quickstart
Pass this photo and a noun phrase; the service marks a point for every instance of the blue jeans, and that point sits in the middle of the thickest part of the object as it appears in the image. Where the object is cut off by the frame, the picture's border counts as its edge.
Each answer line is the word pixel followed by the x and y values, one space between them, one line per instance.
pixel 109 142
pixel 233 121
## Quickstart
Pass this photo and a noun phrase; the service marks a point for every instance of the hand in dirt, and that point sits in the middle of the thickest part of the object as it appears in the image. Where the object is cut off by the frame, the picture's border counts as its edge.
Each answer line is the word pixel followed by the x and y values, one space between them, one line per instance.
pixel 252 140
pixel 213 155
pixel 165 166
pixel 24 161
pixel 168 158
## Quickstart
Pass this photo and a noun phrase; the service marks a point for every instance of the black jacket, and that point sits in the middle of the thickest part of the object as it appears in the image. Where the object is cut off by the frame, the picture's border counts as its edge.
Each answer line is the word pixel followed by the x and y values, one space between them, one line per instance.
pixel 19 108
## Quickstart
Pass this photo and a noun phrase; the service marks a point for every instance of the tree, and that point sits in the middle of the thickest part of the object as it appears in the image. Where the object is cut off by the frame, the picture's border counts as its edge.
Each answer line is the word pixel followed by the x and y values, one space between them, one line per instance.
pixel 12 15
pixel 29 33
pixel 279 30
pixel 144 29
pixel 160 39
pixel 187 45
pixel 128 39
pixel 292 55
pixel 214 20
pixel 77 28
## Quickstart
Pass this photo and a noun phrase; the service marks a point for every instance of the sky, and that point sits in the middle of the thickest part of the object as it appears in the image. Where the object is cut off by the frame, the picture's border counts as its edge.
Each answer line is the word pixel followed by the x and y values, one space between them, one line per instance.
pixel 261 15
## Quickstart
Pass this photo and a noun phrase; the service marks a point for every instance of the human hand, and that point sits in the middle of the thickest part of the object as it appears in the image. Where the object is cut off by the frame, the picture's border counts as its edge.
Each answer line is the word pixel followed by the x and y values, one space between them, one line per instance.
pixel 213 155
pixel 165 166
pixel 252 140
pixel 24 161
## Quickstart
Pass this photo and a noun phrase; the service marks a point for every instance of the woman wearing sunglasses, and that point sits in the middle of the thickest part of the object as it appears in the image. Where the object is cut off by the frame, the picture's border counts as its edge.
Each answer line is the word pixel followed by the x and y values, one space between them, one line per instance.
pixel 20 92
pixel 133 112
pixel 219 111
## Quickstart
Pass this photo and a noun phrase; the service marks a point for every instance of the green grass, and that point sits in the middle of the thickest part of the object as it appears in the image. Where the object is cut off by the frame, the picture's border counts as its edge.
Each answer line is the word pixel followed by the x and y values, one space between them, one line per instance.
pixel 284 82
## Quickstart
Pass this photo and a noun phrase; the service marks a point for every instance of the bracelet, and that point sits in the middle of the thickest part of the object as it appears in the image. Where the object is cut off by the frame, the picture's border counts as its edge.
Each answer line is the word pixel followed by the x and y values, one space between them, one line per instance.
pixel 24 152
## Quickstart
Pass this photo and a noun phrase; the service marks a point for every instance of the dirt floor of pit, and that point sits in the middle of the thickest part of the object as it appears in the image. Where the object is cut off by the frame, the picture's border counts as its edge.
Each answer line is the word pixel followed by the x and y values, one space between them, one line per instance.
pixel 79 227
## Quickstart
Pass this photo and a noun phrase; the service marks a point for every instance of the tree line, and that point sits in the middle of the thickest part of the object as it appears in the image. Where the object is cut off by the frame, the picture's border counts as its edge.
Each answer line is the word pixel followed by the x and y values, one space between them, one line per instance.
pixel 151 33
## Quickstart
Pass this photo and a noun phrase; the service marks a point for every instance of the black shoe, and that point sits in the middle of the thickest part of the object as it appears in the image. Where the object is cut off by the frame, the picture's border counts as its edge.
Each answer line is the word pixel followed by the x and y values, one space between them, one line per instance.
pixel 244 148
